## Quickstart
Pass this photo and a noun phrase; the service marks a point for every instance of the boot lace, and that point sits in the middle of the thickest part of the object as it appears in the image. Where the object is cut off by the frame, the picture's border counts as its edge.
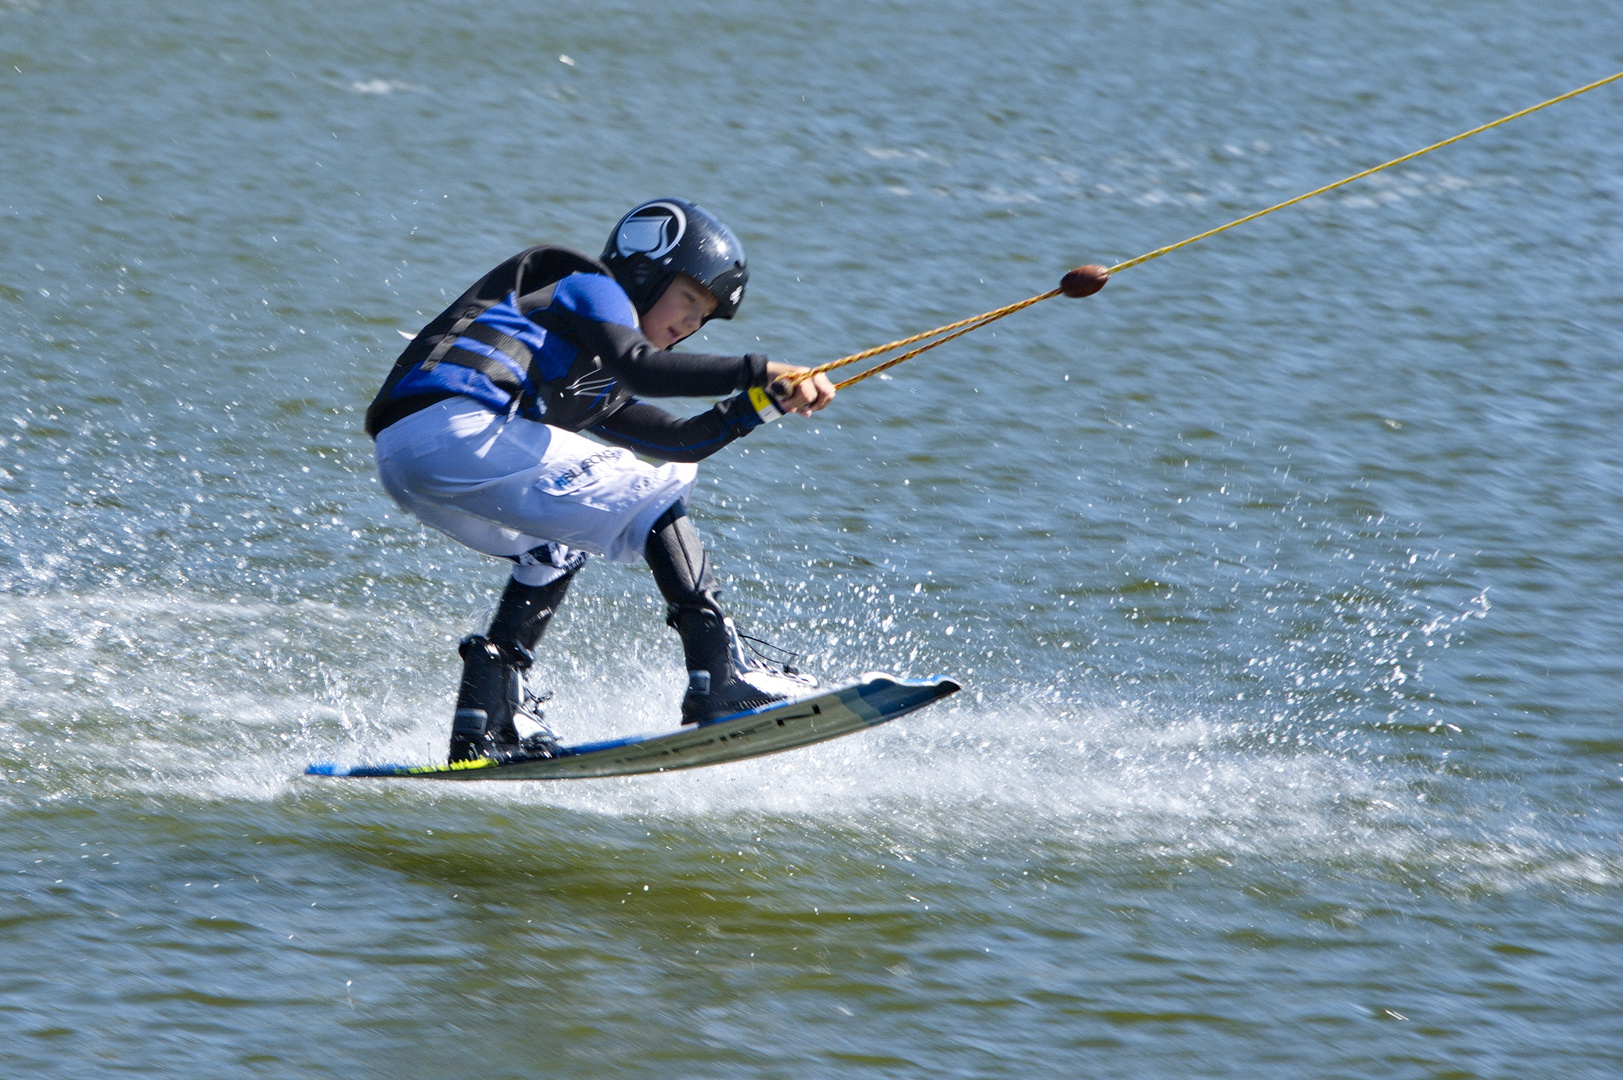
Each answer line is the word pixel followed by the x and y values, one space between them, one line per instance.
pixel 771 654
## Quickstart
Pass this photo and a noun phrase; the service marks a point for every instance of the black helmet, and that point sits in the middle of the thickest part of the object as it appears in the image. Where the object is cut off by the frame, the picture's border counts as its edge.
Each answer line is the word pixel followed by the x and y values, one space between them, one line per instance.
pixel 666 237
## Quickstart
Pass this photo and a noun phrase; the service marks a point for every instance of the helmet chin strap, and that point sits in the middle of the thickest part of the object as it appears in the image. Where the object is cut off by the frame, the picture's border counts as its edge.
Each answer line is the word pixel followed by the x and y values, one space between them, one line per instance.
pixel 652 296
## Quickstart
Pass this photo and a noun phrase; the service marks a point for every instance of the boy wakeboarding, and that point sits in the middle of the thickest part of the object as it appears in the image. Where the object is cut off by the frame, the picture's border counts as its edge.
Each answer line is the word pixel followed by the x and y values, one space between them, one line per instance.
pixel 478 432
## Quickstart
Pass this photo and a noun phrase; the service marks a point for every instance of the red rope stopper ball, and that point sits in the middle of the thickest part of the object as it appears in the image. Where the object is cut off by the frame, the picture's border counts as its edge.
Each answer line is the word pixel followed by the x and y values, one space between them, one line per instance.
pixel 1084 280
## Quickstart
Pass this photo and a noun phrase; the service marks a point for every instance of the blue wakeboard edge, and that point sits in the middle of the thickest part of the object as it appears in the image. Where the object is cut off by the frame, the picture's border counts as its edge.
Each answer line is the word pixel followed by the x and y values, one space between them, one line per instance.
pixel 868 702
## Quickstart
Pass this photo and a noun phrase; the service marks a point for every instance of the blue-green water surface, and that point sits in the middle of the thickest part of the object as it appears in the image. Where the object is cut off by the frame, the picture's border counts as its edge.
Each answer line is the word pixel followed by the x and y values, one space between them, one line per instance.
pixel 1284 576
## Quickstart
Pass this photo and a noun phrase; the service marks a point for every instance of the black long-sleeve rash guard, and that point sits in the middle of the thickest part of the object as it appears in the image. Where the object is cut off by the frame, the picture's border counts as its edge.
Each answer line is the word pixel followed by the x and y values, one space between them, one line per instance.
pixel 648 429
pixel 642 368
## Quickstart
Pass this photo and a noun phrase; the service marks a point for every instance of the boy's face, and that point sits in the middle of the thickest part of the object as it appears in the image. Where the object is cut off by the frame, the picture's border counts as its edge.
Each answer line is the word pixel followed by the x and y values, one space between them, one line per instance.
pixel 677 313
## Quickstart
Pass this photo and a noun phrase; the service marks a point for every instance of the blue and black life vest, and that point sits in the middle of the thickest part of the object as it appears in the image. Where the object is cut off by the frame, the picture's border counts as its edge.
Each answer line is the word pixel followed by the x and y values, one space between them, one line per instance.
pixel 508 342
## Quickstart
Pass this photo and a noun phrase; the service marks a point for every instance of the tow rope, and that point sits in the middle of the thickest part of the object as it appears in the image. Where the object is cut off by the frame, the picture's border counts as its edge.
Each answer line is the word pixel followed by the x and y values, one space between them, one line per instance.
pixel 1087 280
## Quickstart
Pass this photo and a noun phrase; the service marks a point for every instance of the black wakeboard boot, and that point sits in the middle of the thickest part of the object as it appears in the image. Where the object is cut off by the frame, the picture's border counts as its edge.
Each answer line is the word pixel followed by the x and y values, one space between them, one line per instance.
pixel 721 680
pixel 497 715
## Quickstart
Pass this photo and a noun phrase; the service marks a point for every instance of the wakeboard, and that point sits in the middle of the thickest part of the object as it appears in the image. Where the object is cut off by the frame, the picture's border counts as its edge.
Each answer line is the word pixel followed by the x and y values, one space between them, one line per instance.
pixel 770 729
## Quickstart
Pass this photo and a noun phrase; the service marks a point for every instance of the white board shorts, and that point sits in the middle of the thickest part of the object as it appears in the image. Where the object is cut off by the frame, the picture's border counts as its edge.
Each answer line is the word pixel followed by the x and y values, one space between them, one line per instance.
pixel 506 486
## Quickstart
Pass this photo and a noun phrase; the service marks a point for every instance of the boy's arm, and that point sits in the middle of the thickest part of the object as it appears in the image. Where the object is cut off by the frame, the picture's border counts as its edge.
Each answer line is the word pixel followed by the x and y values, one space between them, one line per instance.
pixel 650 430
pixel 634 361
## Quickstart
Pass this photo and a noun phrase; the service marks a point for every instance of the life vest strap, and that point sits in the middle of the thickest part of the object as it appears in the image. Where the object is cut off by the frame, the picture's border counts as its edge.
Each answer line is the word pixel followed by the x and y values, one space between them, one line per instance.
pixel 517 383
pixel 504 343
pixel 490 367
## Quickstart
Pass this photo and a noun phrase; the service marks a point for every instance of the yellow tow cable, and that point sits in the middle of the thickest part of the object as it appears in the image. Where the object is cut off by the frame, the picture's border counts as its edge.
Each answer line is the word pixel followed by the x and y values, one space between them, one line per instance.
pixel 964 326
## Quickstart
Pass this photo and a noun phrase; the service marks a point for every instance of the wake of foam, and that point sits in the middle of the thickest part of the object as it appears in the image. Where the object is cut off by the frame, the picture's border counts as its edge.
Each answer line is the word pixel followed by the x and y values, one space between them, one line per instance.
pixel 171 710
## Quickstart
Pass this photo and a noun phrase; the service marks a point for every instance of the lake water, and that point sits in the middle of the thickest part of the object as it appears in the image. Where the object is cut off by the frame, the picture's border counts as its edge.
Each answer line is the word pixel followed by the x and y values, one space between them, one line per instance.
pixel 1283 576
